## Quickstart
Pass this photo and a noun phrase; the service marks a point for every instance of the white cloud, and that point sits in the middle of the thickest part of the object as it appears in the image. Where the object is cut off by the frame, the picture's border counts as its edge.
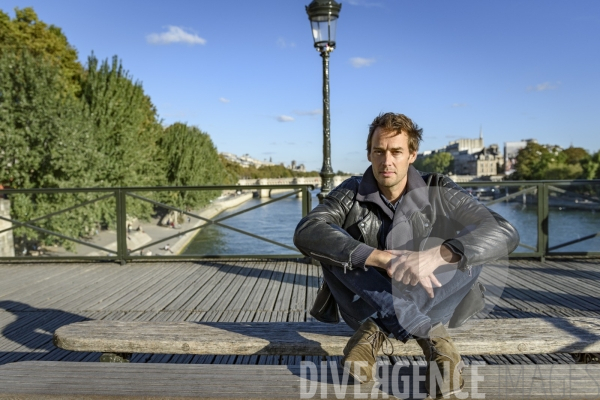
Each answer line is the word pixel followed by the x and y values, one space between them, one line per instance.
pixel 540 87
pixel 283 44
pixel 285 118
pixel 364 3
pixel 458 105
pixel 308 113
pixel 224 100
pixel 359 62
pixel 175 34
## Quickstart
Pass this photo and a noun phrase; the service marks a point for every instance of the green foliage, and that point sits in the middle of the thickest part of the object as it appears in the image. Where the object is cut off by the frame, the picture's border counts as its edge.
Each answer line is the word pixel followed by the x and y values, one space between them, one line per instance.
pixel 191 160
pixel 539 162
pixel 263 172
pixel 591 166
pixel 27 32
pixel 574 156
pixel 45 141
pixel 437 162
pixel 125 125
pixel 126 131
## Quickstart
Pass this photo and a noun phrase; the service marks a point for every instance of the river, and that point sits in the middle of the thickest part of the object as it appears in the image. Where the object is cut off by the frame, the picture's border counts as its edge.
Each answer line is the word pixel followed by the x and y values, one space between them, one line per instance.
pixel 278 220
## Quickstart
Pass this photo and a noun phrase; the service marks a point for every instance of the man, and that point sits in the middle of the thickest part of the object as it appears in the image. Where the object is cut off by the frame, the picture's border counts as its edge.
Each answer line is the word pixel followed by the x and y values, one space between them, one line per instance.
pixel 400 249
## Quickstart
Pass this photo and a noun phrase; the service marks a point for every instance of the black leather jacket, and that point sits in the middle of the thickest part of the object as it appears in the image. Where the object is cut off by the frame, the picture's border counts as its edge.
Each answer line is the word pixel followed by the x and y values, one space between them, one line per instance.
pixel 354 215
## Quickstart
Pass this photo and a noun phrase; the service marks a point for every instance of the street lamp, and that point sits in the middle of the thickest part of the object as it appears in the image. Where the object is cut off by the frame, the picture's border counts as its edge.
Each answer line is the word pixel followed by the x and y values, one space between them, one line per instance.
pixel 323 15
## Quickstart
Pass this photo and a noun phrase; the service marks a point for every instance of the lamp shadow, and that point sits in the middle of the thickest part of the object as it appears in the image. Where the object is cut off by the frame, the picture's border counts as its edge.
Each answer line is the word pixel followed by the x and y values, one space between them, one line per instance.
pixel 31 332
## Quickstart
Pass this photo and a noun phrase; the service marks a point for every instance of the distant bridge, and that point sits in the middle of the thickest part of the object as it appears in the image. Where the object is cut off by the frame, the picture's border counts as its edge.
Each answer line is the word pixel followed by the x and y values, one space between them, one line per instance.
pixel 313 180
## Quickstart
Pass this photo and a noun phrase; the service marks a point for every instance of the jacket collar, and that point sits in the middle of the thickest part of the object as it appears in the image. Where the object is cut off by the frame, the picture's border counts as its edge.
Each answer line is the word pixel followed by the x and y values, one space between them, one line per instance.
pixel 415 197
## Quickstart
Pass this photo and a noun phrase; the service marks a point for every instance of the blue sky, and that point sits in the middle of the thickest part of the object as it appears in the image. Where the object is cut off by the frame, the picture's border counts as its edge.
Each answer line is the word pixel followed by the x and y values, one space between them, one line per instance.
pixel 246 72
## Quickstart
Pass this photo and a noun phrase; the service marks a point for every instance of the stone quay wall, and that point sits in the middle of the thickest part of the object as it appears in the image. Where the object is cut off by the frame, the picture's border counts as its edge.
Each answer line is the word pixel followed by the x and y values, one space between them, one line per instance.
pixel 7 244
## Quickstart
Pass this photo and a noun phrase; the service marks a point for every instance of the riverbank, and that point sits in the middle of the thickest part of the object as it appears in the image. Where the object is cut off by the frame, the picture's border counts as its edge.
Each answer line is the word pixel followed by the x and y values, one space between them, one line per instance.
pixel 144 232
pixel 210 212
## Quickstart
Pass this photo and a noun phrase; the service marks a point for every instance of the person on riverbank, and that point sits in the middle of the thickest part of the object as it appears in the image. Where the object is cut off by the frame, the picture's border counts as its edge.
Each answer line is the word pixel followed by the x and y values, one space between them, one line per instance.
pixel 401 251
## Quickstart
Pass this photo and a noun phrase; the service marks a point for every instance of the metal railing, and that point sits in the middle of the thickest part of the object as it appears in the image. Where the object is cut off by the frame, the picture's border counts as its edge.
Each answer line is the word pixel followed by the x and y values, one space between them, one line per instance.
pixel 543 193
pixel 120 195
pixel 536 194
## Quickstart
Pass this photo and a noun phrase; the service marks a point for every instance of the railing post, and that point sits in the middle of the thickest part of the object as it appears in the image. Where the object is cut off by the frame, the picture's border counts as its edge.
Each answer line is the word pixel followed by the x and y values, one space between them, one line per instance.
pixel 121 227
pixel 306 201
pixel 543 212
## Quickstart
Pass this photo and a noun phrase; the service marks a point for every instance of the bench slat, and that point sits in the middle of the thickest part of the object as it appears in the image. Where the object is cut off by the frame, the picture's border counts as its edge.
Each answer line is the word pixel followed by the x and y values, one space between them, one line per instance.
pixel 488 336
pixel 48 379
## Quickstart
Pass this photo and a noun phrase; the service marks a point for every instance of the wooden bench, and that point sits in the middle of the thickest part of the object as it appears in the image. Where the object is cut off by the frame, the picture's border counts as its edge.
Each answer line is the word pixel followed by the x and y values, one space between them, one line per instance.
pixel 64 380
pixel 478 337
pixel 76 380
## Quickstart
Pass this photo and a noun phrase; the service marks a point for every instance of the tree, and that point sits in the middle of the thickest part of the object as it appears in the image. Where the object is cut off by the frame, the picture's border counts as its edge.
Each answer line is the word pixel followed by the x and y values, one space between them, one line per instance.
pixel 191 160
pixel 574 155
pixel 533 161
pixel 27 32
pixel 126 129
pixel 46 142
pixel 441 162
pixel 591 167
pixel 538 162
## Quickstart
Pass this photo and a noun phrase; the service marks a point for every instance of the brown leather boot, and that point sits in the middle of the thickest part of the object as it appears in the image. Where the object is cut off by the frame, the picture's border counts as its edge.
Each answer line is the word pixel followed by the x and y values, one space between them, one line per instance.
pixel 361 351
pixel 444 365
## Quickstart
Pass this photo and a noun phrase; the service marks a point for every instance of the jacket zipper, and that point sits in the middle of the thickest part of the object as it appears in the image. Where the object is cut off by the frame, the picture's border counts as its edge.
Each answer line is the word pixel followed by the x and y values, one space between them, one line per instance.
pixel 344 264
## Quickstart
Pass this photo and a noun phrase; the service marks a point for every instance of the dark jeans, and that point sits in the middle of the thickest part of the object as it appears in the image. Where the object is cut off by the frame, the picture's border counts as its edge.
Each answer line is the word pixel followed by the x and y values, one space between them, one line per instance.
pixel 399 309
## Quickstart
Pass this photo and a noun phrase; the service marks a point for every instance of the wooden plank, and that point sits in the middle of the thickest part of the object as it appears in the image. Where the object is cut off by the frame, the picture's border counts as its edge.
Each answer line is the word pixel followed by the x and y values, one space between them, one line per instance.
pixel 117 280
pixel 284 297
pixel 513 297
pixel 30 337
pixel 555 296
pixel 228 289
pixel 298 300
pixel 137 287
pixel 78 287
pixel 222 270
pixel 149 294
pixel 313 283
pixel 87 297
pixel 200 277
pixel 493 336
pixel 36 295
pixel 267 303
pixel 17 278
pixel 107 292
pixel 190 274
pixel 101 380
pixel 571 278
pixel 252 303
pixel 249 288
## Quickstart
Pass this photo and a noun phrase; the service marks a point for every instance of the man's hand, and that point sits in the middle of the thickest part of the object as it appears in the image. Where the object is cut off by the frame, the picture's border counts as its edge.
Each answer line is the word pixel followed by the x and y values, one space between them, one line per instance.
pixel 411 267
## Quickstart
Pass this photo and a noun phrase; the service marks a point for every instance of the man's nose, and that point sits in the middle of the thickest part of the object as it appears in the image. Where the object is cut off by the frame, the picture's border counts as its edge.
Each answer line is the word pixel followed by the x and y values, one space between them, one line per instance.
pixel 387 158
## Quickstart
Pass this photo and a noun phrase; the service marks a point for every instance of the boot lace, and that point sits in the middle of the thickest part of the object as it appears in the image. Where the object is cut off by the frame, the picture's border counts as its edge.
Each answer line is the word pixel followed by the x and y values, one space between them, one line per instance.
pixel 377 339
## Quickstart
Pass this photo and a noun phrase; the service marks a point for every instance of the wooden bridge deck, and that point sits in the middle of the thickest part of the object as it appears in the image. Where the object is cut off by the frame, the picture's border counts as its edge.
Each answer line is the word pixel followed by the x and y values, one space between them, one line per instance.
pixel 36 299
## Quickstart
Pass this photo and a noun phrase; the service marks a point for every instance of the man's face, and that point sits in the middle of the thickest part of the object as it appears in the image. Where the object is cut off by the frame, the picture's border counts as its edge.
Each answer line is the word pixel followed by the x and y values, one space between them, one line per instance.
pixel 390 158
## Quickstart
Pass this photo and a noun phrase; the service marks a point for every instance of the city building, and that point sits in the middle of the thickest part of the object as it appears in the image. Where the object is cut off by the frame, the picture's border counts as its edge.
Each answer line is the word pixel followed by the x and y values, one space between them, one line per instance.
pixel 471 157
pixel 245 160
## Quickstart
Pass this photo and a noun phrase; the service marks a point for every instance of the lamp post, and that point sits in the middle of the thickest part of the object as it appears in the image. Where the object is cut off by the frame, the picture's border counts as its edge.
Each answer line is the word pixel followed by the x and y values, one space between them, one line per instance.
pixel 323 15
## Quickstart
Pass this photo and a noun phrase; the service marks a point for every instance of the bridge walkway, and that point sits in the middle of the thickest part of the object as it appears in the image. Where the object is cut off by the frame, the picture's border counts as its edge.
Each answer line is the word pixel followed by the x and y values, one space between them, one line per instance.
pixel 36 299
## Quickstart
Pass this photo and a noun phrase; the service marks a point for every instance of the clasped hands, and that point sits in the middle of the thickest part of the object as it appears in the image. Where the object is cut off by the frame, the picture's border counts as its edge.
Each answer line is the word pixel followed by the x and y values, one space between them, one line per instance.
pixel 413 267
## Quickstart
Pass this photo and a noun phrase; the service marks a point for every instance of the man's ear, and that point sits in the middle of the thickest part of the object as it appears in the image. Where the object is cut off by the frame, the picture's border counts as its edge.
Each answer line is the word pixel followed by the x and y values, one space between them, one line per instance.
pixel 369 155
pixel 412 157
